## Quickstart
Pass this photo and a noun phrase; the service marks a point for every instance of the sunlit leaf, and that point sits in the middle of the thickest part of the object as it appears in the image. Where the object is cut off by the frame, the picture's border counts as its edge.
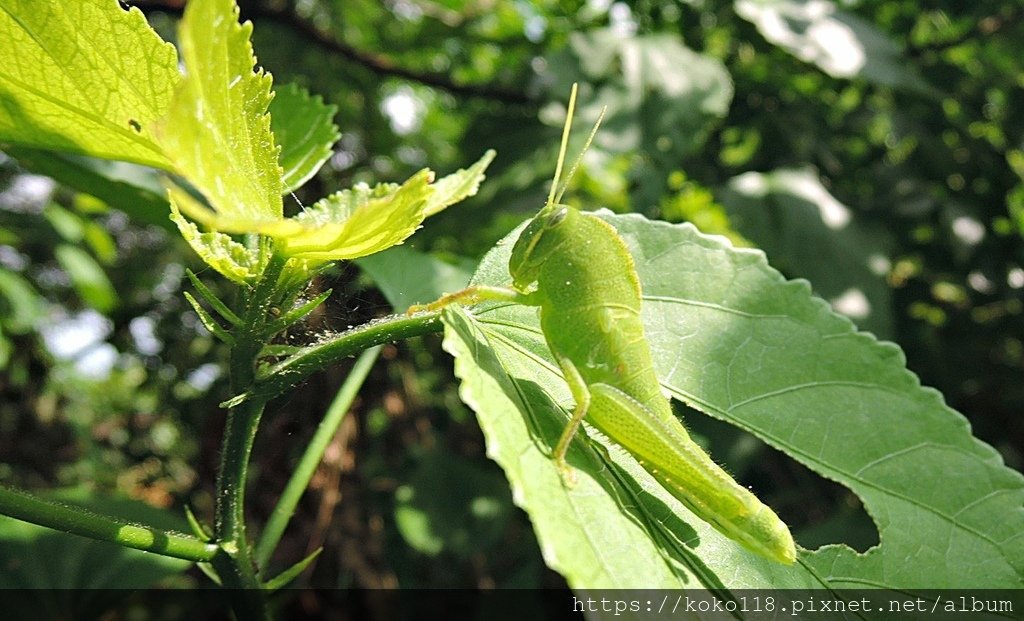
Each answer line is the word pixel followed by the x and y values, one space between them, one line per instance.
pixel 218 131
pixel 363 220
pixel 353 223
pixel 458 186
pixel 67 83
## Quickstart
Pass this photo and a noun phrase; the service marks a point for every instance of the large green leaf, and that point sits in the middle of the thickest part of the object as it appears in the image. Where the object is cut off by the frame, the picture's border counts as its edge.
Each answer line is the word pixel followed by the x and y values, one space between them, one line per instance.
pixel 732 338
pixel 218 130
pixel 67 82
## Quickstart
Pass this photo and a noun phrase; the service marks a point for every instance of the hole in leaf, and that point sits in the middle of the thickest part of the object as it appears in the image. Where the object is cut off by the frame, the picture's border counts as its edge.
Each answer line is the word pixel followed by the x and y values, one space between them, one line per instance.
pixel 817 510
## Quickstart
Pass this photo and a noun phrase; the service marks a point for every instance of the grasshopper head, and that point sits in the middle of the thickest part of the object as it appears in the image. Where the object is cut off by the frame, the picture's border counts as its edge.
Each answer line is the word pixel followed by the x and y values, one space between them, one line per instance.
pixel 547 231
pixel 537 242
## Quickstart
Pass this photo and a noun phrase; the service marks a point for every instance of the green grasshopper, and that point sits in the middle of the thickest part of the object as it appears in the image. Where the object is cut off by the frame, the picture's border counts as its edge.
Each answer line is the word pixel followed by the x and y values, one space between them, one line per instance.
pixel 588 292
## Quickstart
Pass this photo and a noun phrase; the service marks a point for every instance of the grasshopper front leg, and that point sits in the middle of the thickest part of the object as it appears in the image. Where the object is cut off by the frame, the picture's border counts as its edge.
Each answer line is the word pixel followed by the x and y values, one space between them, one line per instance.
pixel 473 295
pixel 581 395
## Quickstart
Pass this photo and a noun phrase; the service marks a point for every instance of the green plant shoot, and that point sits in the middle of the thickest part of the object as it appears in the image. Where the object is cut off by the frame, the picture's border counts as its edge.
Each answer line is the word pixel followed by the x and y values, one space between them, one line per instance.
pixel 589 298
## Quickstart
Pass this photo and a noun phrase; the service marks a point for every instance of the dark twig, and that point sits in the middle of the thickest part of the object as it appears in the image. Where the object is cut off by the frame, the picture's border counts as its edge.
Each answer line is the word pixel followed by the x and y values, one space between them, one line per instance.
pixel 377 63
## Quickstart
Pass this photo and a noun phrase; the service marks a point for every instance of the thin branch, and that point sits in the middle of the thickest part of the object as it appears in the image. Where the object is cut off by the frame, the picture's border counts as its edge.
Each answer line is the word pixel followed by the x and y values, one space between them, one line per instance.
pixel 377 63
pixel 312 456
pixel 71 519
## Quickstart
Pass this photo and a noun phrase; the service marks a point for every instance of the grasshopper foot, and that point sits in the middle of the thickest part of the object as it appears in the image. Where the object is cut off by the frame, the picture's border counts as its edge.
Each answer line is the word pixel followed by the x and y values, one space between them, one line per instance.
pixel 416 308
pixel 567 473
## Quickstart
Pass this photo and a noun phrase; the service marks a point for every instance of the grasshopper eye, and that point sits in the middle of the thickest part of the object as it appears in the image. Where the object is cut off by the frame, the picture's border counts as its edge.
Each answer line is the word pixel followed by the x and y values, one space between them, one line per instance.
pixel 556 218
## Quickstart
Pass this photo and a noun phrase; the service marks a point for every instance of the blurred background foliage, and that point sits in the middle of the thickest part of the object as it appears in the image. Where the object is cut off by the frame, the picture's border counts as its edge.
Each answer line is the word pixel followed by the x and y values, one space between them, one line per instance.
pixel 874 148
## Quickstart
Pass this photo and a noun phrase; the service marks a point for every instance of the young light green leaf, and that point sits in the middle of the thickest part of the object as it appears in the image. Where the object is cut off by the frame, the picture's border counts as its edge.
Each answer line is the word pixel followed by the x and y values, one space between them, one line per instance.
pixel 303 126
pixel 459 185
pixel 233 260
pixel 941 498
pixel 217 132
pixel 356 222
pixel 67 84
pixel 361 221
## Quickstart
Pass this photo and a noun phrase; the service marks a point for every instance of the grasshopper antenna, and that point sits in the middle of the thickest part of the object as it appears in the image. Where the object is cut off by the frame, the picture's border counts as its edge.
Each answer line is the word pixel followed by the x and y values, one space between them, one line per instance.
pixel 579 158
pixel 563 147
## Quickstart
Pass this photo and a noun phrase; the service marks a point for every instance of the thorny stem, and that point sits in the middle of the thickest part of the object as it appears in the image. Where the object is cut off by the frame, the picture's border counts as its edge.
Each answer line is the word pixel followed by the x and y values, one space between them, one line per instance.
pixel 236 564
pixel 237 561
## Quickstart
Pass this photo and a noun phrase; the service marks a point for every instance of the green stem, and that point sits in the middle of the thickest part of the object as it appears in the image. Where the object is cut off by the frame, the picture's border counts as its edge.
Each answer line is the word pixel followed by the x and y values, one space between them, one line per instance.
pixel 248 335
pixel 70 519
pixel 312 456
pixel 236 565
pixel 308 360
